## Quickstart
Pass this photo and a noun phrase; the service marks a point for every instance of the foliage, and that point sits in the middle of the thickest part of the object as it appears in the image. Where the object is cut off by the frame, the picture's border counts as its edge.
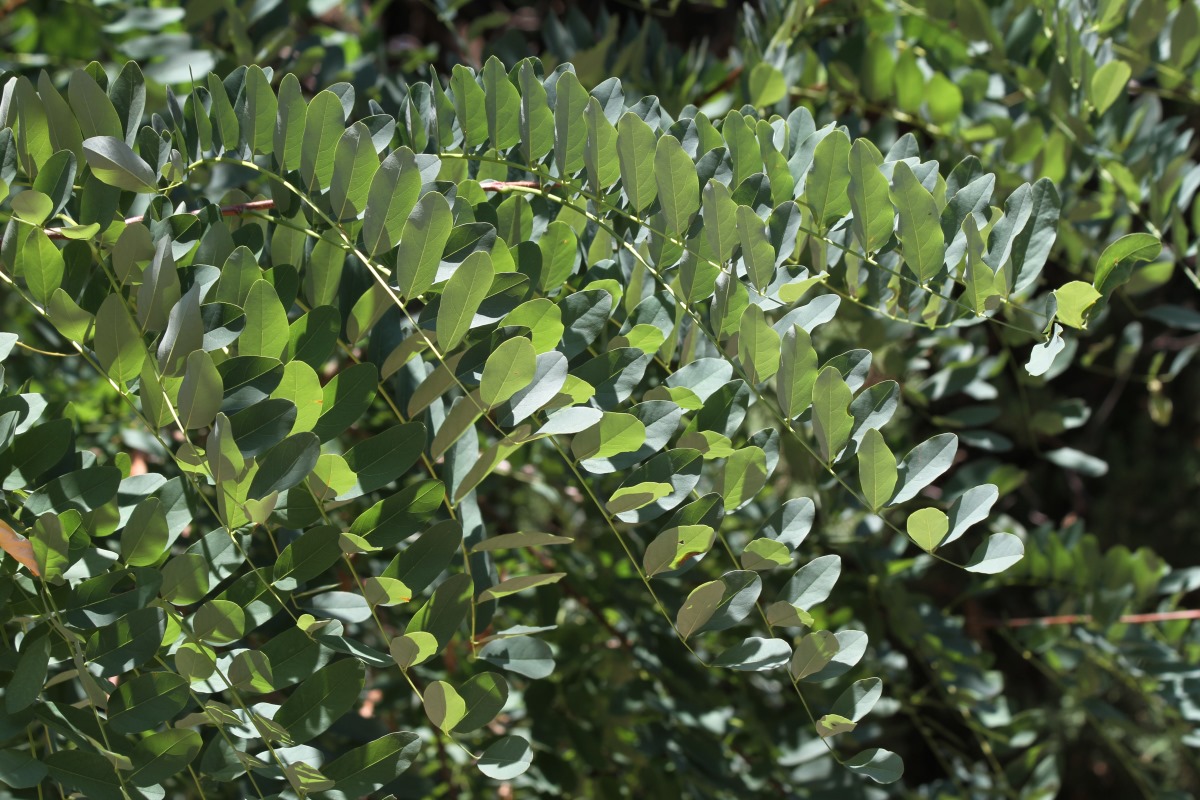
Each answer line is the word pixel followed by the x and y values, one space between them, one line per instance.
pixel 501 429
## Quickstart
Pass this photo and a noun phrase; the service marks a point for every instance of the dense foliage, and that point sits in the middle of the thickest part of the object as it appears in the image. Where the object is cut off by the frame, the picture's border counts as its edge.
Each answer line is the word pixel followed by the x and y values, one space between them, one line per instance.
pixel 779 414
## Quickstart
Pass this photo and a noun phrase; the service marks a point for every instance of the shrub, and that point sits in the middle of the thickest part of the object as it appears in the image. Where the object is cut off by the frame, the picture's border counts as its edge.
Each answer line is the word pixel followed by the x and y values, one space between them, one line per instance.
pixel 515 402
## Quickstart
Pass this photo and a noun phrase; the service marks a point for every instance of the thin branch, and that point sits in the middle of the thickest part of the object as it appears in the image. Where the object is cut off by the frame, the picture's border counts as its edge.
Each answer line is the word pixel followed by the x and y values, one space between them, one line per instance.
pixel 226 211
pixel 1074 619
pixel 265 205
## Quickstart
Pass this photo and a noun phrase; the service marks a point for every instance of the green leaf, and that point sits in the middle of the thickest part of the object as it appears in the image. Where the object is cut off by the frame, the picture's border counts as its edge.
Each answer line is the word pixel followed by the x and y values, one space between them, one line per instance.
pixel 386 591
pixel 386 456
pixel 699 608
pixel 33 207
pixel 570 127
pixel 251 672
pixel 93 110
pixel 34 147
pixel 998 553
pixel 767 85
pixel 445 611
pixel 322 699
pixel 758 346
pixel 29 675
pixel 390 200
pixel 56 180
pixel 881 766
pixel 285 465
pixel 115 163
pixel 346 398
pixel 1074 300
pixel 519 583
pixel 928 527
pixel 503 105
pixel 678 185
pixel 257 111
pixel 161 755
pixel 506 541
pixel 765 554
pixel 924 464
pixel 128 94
pixel 146 535
pixel 797 372
pixel 315 551
pixel 470 106
pixel 600 156
pixel 288 134
pixel 1031 247
pixel 160 290
pixel 425 234
pixel 813 653
pixel 200 392
pixel 324 125
pixel 919 229
pixel 366 769
pixel 876 469
pixel 506 758
pixel 354 165
pixel 638 495
pixel 831 418
pixel 128 642
pixel 971 507
pixel 757 251
pixel 1115 266
pixel 1108 83
pixel 743 146
pixel 813 582
pixel 559 248
pixel 833 724
pixel 185 579
pixel 443 705
pixel 869 199
pixel 118 342
pixel 721 220
pixel 740 591
pixel 219 622
pixel 537 120
pixel 825 188
pixel 944 99
pixel 755 654
pixel 485 696
pixel 677 546
pixel 523 655
pixel 184 334
pixel 615 433
pixel 86 772
pixel 510 368
pixel 145 702
pixel 413 648
pixel 19 769
pixel 461 298
pixel 42 263
pixel 744 475
pixel 266 332
pixel 636 157
pixel 982 284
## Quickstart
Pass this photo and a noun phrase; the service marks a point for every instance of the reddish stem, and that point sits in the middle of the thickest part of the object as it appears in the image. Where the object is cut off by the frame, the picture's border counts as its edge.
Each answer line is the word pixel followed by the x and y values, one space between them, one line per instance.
pixel 1072 619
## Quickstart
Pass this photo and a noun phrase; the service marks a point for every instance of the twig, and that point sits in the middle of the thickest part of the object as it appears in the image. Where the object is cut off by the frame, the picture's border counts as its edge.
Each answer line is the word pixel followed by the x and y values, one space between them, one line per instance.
pixel 226 211
pixel 1073 619
pixel 264 205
